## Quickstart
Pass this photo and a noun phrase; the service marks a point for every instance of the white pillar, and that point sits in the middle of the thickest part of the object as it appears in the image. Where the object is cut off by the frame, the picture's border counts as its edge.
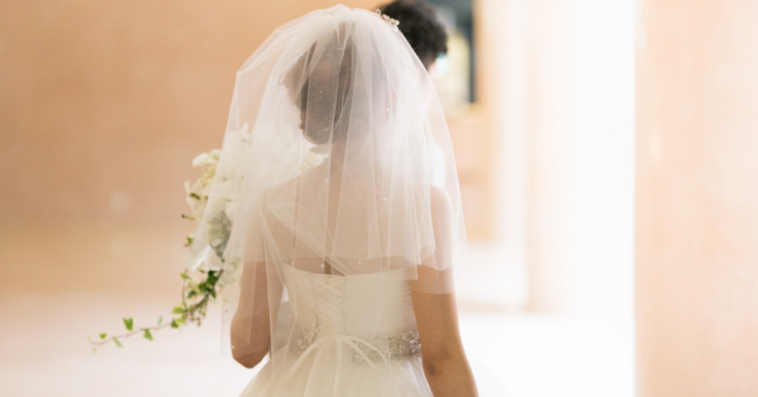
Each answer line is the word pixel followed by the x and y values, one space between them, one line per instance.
pixel 556 80
pixel 501 41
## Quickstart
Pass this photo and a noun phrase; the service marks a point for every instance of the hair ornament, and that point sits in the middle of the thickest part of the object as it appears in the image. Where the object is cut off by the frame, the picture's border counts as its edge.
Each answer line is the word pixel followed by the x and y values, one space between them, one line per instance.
pixel 391 21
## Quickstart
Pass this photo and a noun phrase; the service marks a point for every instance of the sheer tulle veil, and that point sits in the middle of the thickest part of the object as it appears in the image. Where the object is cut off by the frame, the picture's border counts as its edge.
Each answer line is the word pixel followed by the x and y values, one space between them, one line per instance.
pixel 337 160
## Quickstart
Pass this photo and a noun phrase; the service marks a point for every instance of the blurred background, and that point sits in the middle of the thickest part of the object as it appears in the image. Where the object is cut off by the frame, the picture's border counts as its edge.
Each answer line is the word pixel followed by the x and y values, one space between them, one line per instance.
pixel 608 167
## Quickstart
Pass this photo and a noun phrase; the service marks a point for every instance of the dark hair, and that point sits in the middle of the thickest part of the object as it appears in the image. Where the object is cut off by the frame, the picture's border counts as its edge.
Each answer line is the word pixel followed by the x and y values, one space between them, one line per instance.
pixel 308 71
pixel 420 26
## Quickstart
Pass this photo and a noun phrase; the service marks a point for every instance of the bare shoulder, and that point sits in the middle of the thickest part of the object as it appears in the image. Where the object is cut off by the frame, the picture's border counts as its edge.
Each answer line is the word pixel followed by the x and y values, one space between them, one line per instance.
pixel 439 198
pixel 440 207
pixel 280 188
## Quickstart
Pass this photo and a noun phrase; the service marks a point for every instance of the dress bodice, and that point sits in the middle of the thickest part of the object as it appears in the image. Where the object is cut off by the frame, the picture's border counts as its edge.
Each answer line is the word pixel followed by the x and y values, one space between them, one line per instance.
pixel 368 306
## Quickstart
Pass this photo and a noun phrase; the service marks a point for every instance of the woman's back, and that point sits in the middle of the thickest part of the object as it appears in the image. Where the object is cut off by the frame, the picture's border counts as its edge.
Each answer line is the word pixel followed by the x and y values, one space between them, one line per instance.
pixel 339 262
pixel 351 336
pixel 344 326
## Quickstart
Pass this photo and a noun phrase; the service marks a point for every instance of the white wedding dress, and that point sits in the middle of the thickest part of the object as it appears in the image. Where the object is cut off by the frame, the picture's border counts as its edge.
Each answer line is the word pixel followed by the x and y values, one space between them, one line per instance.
pixel 340 345
pixel 336 188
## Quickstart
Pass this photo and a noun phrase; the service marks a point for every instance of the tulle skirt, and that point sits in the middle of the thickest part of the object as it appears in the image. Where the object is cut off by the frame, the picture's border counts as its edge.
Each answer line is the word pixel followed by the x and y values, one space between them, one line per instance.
pixel 325 375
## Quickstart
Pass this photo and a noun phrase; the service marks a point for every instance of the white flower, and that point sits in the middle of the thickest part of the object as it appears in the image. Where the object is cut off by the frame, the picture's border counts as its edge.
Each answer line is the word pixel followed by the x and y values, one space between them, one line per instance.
pixel 225 189
pixel 312 159
pixel 204 260
pixel 231 209
pixel 200 159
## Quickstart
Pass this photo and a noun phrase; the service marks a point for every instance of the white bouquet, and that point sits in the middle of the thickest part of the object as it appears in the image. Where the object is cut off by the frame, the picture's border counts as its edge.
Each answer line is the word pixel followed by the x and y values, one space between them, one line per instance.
pixel 221 176
pixel 204 277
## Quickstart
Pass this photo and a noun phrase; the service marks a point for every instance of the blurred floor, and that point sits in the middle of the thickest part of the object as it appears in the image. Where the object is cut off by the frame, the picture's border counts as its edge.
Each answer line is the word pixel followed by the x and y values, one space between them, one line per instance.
pixel 63 283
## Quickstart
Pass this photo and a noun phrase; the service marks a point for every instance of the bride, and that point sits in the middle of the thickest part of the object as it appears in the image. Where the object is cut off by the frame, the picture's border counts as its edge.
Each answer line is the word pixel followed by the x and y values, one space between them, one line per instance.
pixel 338 268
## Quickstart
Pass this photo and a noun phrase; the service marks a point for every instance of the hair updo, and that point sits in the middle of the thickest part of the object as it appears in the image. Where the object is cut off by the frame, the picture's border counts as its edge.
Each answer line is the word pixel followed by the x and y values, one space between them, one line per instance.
pixel 325 115
pixel 420 26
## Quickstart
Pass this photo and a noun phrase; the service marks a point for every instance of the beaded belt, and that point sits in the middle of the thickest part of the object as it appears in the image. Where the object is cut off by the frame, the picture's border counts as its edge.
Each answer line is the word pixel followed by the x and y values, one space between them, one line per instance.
pixel 395 346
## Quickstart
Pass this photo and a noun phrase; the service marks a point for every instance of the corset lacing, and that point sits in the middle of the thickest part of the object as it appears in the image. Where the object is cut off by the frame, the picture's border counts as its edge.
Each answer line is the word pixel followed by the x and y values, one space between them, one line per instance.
pixel 330 328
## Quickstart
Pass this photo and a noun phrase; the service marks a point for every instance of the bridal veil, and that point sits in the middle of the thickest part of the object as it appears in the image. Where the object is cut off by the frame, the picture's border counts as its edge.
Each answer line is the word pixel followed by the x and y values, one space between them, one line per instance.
pixel 336 160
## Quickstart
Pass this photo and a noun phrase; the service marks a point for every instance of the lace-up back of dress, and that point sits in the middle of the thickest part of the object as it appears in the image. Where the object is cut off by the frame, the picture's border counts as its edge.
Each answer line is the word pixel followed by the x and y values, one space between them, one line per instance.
pixel 371 314
pixel 366 305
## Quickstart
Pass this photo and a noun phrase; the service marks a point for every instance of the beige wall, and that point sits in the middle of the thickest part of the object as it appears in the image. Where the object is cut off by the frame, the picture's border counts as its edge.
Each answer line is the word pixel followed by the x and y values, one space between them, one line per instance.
pixel 103 104
pixel 697 198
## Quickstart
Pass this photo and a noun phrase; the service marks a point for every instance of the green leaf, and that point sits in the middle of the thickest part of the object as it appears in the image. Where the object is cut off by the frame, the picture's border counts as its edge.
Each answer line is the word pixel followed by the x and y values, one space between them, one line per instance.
pixel 184 276
pixel 94 350
pixel 160 320
pixel 103 335
pixel 178 310
pixel 118 344
pixel 129 323
pixel 174 324
pixel 147 335
pixel 194 196
pixel 191 294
